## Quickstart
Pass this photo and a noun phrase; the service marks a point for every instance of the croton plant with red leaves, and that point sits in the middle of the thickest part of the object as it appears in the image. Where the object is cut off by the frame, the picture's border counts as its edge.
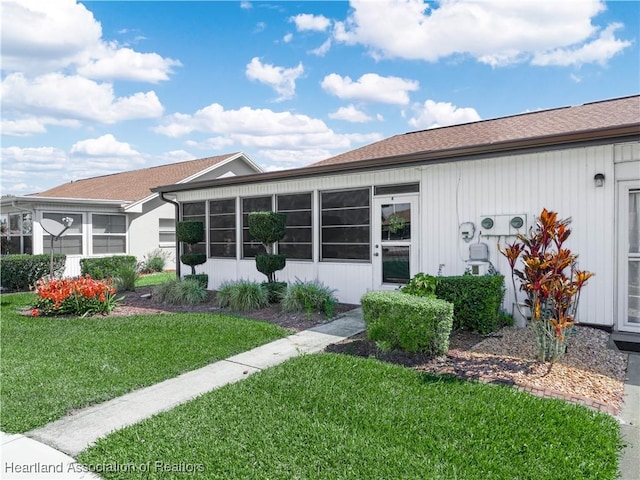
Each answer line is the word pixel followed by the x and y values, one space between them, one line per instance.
pixel 549 276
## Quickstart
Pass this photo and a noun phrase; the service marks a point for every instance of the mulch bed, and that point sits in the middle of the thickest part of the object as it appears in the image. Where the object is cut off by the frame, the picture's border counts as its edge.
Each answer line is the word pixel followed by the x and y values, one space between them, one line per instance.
pixel 141 302
pixel 585 386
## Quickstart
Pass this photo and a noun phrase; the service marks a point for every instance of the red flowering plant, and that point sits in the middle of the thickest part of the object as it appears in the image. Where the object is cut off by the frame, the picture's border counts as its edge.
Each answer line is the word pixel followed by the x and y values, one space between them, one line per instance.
pixel 81 296
pixel 550 279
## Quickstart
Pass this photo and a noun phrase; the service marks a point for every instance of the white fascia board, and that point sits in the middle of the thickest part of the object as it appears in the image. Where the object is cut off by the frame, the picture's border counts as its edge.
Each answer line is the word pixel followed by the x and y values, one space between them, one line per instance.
pixel 136 207
pixel 8 201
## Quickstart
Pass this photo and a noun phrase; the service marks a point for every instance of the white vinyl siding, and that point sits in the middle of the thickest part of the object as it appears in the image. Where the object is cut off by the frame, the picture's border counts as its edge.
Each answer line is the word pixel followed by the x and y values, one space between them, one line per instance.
pixel 451 193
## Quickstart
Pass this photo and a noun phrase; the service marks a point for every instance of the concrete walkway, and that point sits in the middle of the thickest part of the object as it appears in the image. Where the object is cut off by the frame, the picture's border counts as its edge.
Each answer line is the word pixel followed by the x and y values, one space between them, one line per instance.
pixel 38 454
pixel 630 421
pixel 31 456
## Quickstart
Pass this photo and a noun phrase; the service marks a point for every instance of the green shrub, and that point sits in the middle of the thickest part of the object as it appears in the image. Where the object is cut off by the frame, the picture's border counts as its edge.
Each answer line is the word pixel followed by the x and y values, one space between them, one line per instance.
pixel 275 290
pixel 106 267
pixel 269 264
pixel 155 261
pixel 309 297
pixel 412 323
pixel 422 285
pixel 203 278
pixel 19 272
pixel 180 292
pixel 242 296
pixel 476 301
pixel 125 279
pixel 268 228
pixel 190 232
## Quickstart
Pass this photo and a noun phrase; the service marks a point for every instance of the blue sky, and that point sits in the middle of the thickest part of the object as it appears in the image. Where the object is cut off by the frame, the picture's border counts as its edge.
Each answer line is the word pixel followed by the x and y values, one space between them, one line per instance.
pixel 93 88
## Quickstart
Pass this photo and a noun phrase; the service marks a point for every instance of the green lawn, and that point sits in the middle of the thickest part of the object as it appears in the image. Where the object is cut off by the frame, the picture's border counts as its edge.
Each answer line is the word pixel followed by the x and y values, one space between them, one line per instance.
pixel 50 366
pixel 340 417
pixel 154 279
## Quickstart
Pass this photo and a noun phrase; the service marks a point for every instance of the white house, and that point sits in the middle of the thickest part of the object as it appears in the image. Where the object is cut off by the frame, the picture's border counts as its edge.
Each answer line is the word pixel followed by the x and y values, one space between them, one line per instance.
pixel 112 214
pixel 445 191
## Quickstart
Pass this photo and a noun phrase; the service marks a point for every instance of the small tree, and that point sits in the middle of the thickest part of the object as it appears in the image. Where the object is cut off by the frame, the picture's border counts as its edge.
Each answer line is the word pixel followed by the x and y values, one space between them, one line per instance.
pixel 191 233
pixel 268 228
pixel 551 281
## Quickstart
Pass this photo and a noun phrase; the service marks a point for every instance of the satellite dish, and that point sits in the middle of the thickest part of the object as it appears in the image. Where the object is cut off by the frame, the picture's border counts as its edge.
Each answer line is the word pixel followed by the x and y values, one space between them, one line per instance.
pixel 55 228
pixel 52 227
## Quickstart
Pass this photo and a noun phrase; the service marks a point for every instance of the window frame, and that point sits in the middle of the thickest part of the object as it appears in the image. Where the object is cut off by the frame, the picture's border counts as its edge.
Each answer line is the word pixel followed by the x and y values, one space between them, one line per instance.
pixel 166 230
pixel 108 235
pixel 322 226
pixel 245 227
pixel 24 246
pixel 233 228
pixel 200 247
pixel 68 234
pixel 309 227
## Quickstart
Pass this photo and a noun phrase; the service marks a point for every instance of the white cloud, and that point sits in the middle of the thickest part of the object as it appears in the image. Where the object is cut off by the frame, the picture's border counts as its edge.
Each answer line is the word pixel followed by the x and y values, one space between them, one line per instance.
pixel 282 80
pixel 23 168
pixel 213 143
pixel 106 145
pixel 494 32
pixel 127 64
pixel 42 36
pixel 46 35
pixel 307 21
pixel 440 114
pixel 245 5
pixel 273 133
pixel 370 87
pixel 287 38
pixel 350 114
pixel 29 125
pixel 72 98
pixel 597 51
pixel 322 50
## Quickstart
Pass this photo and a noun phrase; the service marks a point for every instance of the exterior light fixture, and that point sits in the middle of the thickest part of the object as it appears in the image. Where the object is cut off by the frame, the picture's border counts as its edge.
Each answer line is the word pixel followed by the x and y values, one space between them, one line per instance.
pixel 598 180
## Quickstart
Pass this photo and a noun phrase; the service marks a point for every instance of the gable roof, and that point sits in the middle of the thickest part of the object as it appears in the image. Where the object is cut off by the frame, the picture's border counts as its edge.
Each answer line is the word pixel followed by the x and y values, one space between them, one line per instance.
pixel 598 121
pixel 134 185
pixel 540 124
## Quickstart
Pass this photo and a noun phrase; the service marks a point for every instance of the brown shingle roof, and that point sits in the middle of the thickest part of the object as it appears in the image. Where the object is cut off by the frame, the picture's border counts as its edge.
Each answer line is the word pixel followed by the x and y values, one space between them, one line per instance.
pixel 133 185
pixel 557 121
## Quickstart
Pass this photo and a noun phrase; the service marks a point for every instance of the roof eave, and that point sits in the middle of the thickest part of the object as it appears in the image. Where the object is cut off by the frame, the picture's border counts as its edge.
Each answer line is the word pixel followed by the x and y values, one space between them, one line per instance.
pixel 445 155
pixel 8 200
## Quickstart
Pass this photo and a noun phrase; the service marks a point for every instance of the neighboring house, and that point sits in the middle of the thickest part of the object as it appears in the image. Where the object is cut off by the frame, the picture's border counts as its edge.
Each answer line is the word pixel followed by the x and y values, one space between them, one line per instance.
pixel 373 217
pixel 112 214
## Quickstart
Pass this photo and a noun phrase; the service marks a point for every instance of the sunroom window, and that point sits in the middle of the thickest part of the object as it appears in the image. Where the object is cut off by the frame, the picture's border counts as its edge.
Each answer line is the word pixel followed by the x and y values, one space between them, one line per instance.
pixel 250 246
pixel 346 225
pixel 297 242
pixel 109 234
pixel 222 228
pixel 71 241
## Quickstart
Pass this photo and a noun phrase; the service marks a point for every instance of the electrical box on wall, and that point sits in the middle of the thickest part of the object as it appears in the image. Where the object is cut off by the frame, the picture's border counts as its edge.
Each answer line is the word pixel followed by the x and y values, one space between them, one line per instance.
pixel 503 225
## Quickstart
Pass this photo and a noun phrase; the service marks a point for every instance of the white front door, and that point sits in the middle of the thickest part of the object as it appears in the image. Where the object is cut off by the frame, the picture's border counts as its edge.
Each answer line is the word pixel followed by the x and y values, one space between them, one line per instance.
pixel 629 256
pixel 395 240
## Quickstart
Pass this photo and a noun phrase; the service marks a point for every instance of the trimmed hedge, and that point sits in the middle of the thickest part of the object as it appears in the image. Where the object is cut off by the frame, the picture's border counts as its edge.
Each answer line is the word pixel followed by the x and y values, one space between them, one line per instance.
pixel 414 324
pixel 476 301
pixel 190 232
pixel 106 267
pixel 19 272
pixel 202 278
